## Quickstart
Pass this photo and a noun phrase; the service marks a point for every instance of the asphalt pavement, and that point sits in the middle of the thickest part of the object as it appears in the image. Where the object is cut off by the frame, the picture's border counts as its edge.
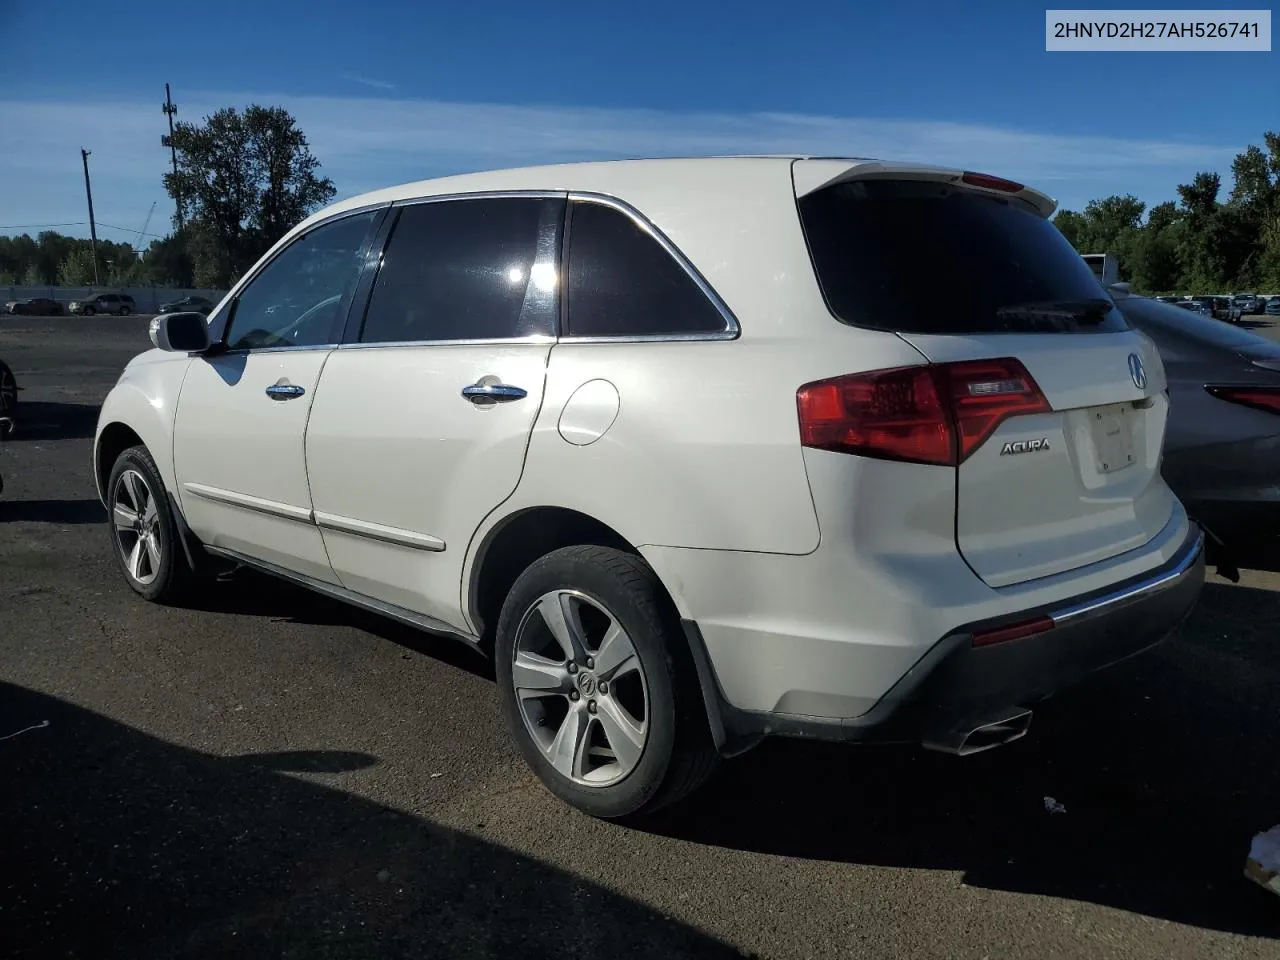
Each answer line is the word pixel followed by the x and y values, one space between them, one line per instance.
pixel 273 774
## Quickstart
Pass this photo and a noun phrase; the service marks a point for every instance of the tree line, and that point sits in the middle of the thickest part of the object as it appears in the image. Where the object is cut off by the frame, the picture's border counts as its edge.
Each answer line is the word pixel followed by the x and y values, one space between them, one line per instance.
pixel 244 178
pixel 1199 243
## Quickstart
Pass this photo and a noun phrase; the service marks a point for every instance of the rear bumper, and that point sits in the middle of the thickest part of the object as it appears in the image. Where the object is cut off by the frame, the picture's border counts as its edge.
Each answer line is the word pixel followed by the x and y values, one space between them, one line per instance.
pixel 956 685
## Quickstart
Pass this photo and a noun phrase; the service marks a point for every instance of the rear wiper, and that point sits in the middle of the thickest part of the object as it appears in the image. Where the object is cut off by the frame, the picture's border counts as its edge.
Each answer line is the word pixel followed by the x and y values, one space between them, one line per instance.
pixel 1090 309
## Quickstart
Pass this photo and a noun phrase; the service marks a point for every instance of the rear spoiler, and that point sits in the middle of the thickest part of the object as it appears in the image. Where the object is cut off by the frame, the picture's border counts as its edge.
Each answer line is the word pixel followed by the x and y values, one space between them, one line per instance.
pixel 813 174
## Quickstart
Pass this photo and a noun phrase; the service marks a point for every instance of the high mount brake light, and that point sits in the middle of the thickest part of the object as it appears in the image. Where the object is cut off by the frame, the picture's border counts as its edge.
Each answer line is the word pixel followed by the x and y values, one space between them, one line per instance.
pixel 938 413
pixel 988 182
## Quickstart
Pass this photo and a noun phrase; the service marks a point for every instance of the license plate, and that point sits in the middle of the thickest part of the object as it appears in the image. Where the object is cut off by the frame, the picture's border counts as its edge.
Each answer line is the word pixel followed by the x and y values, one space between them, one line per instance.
pixel 1112 428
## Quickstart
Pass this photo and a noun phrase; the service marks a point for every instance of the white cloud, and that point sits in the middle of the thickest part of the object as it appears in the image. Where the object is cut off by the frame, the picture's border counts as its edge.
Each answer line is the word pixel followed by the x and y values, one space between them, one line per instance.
pixel 369 142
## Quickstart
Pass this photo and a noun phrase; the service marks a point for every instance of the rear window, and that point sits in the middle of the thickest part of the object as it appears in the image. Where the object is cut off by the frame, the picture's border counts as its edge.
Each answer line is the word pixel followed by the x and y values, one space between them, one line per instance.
pixel 915 256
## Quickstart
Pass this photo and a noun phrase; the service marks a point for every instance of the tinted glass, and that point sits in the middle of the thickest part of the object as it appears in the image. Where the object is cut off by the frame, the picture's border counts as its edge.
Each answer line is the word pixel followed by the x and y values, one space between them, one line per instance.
pixel 623 283
pixel 921 257
pixel 299 297
pixel 468 270
pixel 1163 322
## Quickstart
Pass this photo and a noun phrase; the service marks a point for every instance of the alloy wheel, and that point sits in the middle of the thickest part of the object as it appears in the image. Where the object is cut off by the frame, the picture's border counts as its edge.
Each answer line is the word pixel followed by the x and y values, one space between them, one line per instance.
pixel 580 688
pixel 136 518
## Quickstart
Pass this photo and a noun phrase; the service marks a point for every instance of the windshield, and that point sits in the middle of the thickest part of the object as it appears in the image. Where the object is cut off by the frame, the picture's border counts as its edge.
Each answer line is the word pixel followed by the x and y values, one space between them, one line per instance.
pixel 919 256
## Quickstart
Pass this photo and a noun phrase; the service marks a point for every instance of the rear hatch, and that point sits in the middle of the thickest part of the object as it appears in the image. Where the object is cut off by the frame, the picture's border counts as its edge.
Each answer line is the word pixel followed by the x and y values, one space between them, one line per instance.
pixel 1058 459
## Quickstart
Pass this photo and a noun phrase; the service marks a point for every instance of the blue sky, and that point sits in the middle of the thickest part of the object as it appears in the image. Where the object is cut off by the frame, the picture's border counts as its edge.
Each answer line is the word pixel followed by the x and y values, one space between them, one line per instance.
pixel 396 91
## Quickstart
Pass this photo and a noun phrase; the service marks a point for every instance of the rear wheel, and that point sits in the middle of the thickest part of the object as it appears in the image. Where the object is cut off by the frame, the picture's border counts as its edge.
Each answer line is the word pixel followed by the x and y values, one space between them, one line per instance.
pixel 124 311
pixel 8 391
pixel 598 686
pixel 144 534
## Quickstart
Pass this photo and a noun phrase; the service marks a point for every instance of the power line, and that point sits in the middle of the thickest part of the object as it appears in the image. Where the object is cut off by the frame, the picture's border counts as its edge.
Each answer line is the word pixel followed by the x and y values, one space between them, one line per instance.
pixel 78 223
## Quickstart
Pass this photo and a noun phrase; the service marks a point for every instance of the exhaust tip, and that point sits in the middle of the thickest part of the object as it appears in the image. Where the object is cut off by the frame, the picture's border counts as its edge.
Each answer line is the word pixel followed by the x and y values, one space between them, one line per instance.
pixel 1007 726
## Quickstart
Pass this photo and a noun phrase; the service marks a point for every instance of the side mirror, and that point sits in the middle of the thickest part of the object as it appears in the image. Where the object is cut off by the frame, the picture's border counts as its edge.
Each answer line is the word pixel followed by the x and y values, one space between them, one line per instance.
pixel 180 332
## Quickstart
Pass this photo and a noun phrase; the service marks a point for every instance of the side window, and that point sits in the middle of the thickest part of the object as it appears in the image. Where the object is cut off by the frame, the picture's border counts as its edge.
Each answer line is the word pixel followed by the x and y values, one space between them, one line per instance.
pixel 479 269
pixel 299 296
pixel 623 283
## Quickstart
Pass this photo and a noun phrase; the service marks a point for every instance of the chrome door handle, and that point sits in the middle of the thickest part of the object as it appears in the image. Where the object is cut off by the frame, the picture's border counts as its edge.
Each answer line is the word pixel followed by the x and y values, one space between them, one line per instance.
pixel 493 393
pixel 284 391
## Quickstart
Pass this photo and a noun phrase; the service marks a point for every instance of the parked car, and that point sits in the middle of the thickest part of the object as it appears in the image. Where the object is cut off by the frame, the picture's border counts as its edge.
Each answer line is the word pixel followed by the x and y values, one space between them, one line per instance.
pixel 35 307
pixel 1247 303
pixel 1169 299
pixel 1203 308
pixel 1220 308
pixel 197 304
pixel 1224 428
pixel 1272 309
pixel 664 439
pixel 120 304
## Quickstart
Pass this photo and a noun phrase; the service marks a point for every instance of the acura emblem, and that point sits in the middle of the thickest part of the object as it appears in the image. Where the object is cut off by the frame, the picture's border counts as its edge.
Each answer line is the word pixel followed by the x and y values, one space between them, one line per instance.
pixel 1137 372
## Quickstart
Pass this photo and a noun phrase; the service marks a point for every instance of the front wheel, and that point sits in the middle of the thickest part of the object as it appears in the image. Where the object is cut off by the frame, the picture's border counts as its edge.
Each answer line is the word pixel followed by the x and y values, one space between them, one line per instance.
pixel 88 311
pixel 144 534
pixel 598 685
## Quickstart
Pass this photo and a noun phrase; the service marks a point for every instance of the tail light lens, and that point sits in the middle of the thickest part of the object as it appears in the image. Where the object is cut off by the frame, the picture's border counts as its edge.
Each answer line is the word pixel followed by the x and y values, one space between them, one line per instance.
pixel 938 414
pixel 1260 398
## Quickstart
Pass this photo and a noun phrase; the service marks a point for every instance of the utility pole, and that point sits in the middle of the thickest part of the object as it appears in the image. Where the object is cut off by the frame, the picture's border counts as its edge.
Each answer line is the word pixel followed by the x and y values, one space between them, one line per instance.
pixel 170 108
pixel 93 227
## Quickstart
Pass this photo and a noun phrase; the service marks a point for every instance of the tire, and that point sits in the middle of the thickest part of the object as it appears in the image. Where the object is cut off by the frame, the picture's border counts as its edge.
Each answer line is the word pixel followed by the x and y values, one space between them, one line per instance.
pixel 599 589
pixel 8 391
pixel 160 574
pixel 88 311
pixel 124 311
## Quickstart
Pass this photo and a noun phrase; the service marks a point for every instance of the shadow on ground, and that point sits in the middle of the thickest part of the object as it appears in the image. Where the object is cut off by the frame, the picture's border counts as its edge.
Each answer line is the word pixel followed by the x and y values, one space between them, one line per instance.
pixel 1166 767
pixel 36 420
pixel 52 511
pixel 244 591
pixel 116 844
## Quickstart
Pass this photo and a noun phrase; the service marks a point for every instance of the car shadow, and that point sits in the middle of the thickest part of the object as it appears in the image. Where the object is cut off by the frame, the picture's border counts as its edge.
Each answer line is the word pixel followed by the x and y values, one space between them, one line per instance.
pixel 41 420
pixel 119 844
pixel 1165 766
pixel 52 511
pixel 244 591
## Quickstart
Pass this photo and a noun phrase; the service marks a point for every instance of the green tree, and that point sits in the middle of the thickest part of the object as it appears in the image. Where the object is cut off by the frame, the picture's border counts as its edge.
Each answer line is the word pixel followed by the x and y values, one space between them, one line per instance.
pixel 77 269
pixel 243 179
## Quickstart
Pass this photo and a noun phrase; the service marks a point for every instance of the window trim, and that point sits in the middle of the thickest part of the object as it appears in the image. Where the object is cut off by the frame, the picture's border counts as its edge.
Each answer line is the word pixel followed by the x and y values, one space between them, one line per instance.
pixel 732 329
pixel 364 290
pixel 232 300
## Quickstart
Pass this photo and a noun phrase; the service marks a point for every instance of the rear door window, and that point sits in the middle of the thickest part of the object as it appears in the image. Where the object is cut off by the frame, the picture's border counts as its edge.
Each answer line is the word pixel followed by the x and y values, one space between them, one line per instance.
pixel 622 282
pixel 924 257
pixel 481 269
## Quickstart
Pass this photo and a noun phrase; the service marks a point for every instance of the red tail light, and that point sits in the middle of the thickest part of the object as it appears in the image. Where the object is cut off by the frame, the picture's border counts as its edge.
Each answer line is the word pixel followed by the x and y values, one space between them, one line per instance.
pixel 989 182
pixel 1260 398
pixel 937 414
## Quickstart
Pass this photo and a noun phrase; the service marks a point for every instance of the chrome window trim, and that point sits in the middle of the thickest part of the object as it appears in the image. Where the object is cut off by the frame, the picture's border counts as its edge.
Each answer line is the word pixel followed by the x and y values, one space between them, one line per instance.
pixel 532 339
pixel 485 195
pixel 732 329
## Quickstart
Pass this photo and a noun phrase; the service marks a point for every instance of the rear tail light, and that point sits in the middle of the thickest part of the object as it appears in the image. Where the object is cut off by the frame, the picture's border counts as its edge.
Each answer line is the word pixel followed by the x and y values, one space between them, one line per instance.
pixel 1260 398
pixel 939 413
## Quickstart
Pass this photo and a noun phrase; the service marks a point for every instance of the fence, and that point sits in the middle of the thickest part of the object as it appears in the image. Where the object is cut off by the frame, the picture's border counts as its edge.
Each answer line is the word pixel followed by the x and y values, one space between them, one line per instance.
pixel 148 299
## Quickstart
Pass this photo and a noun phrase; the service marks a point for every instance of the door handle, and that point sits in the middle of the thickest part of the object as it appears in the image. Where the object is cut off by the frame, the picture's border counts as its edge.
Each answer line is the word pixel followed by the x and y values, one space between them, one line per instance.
pixel 284 391
pixel 493 393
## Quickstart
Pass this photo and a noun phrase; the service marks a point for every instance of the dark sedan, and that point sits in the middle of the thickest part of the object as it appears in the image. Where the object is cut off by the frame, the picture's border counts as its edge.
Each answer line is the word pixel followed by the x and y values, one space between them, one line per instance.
pixel 1222 443
pixel 188 304
pixel 35 307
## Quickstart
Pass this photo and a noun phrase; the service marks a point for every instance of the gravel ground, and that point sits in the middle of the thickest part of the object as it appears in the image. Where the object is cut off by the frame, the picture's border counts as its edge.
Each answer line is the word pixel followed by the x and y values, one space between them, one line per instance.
pixel 273 774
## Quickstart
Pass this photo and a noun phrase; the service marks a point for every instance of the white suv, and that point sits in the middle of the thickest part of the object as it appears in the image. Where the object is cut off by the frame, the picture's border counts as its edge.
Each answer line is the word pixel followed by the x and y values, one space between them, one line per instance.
pixel 699 450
